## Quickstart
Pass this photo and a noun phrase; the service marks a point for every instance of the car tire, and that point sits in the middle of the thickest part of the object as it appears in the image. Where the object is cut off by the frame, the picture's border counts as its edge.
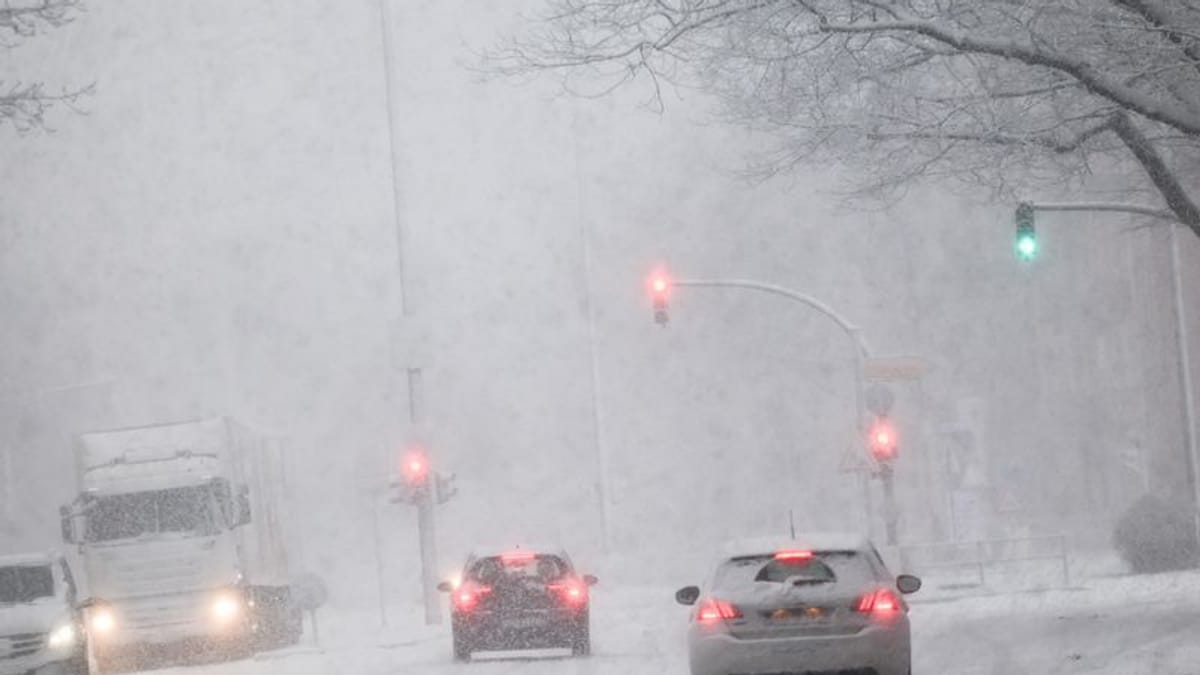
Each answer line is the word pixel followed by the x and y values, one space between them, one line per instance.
pixel 581 638
pixel 462 648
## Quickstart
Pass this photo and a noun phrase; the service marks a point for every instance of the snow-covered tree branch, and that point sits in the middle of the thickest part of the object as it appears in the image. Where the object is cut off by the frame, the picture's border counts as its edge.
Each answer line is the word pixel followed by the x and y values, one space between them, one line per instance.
pixel 1013 94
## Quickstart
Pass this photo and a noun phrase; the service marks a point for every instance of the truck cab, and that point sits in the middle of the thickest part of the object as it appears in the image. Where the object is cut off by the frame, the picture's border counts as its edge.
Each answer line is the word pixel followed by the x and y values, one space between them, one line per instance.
pixel 40 628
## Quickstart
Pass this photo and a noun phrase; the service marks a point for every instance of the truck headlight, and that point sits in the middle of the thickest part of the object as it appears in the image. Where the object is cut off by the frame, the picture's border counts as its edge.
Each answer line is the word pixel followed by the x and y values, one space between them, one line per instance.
pixel 227 606
pixel 62 637
pixel 102 621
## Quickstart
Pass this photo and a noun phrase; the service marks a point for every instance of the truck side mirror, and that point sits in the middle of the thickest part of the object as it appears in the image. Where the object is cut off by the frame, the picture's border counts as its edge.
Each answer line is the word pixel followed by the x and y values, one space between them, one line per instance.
pixel 67 522
pixel 245 517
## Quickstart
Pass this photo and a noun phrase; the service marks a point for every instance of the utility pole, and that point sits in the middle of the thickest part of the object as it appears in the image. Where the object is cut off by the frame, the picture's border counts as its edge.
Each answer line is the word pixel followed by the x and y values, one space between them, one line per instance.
pixel 408 320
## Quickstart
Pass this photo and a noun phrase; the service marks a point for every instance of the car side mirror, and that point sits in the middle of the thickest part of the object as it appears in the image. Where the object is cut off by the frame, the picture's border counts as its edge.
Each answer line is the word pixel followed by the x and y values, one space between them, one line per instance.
pixel 67 523
pixel 445 587
pixel 688 595
pixel 590 579
pixel 907 583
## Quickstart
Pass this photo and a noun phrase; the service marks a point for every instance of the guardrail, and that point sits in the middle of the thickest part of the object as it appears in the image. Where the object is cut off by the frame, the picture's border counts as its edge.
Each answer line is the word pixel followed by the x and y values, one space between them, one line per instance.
pixel 982 553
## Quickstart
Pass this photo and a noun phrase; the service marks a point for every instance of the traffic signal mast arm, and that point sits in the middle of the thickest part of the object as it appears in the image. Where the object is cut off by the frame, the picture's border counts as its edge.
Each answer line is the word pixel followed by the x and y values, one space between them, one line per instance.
pixel 1104 206
pixel 850 329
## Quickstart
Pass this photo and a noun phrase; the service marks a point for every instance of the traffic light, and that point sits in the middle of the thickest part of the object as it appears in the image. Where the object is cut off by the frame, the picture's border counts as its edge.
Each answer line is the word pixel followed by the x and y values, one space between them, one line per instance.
pixel 415 468
pixel 882 440
pixel 1027 241
pixel 660 295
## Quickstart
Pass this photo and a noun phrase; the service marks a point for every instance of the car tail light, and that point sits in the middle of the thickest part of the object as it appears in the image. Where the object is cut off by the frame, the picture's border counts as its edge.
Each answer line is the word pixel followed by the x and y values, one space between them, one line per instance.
pixel 466 597
pixel 570 592
pixel 881 602
pixel 712 610
pixel 793 556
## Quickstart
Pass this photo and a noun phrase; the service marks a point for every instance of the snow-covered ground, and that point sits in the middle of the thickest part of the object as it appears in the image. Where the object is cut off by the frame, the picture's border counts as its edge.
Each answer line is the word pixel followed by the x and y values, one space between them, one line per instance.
pixel 1104 624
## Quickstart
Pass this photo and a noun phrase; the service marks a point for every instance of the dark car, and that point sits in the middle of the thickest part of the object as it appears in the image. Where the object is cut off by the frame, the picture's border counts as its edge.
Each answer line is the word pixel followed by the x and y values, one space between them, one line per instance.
pixel 520 599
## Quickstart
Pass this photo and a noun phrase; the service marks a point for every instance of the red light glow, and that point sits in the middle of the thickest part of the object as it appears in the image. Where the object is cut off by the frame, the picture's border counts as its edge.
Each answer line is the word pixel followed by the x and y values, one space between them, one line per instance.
pixel 517 557
pixel 793 556
pixel 415 466
pixel 467 597
pixel 571 592
pixel 712 610
pixel 881 602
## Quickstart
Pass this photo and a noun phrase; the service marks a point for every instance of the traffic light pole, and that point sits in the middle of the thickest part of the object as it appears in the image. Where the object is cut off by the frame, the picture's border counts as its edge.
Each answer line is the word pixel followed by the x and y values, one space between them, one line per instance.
pixel 425 518
pixel 1182 338
pixel 861 353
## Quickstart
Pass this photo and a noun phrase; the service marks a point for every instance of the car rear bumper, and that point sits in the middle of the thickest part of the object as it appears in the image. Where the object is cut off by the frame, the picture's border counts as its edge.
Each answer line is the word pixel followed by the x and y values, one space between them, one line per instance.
pixel 886 650
pixel 526 630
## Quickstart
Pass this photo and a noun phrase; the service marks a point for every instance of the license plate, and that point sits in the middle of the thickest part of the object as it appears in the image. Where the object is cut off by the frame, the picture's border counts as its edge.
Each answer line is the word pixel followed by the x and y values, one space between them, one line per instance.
pixel 525 622
pixel 800 614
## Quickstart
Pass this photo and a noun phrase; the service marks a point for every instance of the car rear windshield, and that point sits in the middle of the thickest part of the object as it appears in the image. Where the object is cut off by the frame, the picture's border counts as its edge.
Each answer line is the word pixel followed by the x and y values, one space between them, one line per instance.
pixel 842 567
pixel 25 583
pixel 518 568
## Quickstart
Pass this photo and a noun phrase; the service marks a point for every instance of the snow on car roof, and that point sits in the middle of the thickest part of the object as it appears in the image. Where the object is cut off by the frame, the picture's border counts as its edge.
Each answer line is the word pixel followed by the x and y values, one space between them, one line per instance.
pixel 500 549
pixel 21 559
pixel 815 541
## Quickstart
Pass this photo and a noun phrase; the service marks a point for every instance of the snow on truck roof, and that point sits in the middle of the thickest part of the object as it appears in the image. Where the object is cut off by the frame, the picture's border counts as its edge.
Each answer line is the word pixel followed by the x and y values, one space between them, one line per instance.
pixel 815 541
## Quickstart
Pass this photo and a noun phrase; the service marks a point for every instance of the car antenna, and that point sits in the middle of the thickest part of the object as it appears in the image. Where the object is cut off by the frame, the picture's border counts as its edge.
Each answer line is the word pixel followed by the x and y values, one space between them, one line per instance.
pixel 792 522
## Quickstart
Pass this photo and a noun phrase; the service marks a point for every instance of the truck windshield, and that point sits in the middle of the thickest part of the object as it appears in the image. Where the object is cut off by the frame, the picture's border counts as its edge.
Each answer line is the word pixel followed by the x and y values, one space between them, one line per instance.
pixel 25 583
pixel 186 510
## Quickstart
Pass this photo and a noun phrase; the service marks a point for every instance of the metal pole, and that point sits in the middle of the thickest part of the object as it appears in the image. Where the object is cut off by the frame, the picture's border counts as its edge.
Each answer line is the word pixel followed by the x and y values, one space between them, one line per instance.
pixel 425 519
pixel 379 585
pixel 1189 406
pixel 601 451
pixel 886 474
pixel 860 422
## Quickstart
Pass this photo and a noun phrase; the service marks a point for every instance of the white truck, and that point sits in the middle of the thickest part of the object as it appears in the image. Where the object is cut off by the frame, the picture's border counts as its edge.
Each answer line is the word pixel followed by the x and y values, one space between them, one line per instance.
pixel 179 530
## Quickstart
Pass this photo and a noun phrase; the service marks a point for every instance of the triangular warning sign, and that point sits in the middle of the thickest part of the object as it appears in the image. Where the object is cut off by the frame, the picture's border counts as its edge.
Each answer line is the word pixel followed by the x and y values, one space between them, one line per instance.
pixel 853 462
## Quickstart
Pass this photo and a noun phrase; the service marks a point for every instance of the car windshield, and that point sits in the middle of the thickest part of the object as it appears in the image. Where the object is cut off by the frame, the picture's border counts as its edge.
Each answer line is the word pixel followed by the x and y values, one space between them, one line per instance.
pixel 186 510
pixel 518 568
pixel 25 583
pixel 744 572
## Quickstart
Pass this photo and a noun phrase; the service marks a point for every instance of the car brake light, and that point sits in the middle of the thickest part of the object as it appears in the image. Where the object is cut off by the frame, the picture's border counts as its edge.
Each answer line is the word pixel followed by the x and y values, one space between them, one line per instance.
pixel 467 596
pixel 880 602
pixel 571 592
pixel 517 557
pixel 793 556
pixel 712 610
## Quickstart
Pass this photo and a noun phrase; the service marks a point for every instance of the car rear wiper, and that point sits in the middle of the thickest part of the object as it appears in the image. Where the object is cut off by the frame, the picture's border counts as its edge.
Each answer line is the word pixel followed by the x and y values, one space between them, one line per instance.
pixel 810 580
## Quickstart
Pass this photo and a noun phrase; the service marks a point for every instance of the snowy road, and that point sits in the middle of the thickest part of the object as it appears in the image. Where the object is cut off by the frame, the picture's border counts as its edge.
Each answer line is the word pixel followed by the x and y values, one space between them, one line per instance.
pixel 642 632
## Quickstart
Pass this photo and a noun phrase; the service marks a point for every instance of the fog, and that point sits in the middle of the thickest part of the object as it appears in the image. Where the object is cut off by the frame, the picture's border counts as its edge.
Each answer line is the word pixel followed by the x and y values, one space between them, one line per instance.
pixel 214 233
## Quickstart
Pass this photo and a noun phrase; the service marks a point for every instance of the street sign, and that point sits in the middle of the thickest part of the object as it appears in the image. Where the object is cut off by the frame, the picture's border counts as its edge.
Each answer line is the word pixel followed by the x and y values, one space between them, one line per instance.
pixel 879 399
pixel 895 368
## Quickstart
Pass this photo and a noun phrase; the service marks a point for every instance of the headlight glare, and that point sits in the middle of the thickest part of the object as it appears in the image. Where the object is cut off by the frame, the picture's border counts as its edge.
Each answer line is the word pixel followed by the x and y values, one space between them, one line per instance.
pixel 226 607
pixel 102 620
pixel 62 637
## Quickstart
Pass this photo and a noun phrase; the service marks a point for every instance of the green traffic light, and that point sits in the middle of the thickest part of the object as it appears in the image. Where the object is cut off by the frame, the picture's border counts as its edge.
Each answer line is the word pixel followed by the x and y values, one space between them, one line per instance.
pixel 1027 246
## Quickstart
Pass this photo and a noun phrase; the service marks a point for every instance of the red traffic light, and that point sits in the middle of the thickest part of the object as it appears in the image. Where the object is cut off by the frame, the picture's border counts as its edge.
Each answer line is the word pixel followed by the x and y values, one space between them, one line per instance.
pixel 660 285
pixel 882 440
pixel 415 467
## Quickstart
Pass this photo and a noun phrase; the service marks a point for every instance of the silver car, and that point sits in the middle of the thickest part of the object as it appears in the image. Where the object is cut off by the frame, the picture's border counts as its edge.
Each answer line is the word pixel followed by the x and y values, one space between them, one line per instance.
pixel 815 604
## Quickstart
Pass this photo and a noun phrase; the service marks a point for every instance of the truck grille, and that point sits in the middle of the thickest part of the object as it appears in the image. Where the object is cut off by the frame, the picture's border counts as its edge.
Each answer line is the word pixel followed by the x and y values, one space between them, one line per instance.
pixel 21 644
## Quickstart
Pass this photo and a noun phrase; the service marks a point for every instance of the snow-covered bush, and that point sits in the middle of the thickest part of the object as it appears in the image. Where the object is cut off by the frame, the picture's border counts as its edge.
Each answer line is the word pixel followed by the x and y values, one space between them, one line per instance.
pixel 1156 535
